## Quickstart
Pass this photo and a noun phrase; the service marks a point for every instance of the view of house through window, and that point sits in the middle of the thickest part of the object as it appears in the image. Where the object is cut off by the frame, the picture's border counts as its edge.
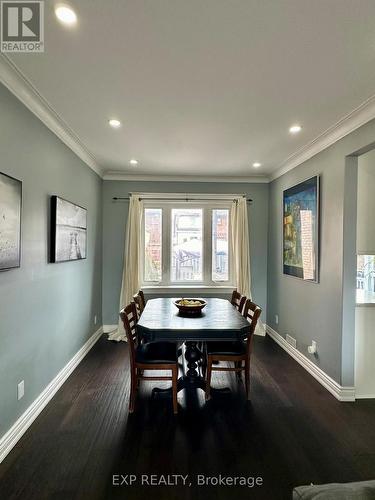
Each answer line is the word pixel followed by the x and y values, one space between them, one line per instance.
pixel 187 241
pixel 153 234
pixel 220 245
pixel 365 277
pixel 186 245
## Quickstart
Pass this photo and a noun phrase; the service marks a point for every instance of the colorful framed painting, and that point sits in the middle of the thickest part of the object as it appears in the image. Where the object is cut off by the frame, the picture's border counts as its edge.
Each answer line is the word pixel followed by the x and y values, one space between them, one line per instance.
pixel 10 222
pixel 68 231
pixel 301 230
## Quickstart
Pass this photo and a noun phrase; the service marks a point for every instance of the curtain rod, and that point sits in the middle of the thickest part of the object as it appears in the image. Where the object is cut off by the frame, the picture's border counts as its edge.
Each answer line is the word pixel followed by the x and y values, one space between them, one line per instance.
pixel 117 198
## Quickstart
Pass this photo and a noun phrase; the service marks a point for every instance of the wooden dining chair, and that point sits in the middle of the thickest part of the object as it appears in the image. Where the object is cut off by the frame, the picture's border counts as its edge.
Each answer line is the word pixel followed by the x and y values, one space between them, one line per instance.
pixel 238 352
pixel 140 302
pixel 238 301
pixel 152 356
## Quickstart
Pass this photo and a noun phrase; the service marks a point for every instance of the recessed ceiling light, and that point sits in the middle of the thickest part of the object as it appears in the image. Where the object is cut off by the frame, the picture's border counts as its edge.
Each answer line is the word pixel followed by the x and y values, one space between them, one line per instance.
pixel 257 164
pixel 114 123
pixel 65 14
pixel 294 129
pixel 133 162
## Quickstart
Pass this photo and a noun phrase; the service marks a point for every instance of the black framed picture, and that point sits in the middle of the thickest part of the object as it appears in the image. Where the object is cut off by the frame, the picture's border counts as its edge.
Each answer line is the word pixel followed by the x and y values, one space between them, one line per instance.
pixel 68 231
pixel 10 222
pixel 301 230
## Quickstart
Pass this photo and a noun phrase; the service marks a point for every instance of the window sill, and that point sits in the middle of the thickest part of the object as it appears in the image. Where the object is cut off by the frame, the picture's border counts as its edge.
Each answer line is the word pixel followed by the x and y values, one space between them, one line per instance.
pixel 365 299
pixel 191 289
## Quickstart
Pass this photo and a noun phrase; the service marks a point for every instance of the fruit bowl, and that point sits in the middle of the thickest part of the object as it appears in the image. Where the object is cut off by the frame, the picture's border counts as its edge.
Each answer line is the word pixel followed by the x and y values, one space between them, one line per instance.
pixel 190 306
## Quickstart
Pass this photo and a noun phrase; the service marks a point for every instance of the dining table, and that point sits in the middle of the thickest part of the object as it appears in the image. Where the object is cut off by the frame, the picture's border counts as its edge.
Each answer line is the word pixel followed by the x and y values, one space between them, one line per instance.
pixel 161 321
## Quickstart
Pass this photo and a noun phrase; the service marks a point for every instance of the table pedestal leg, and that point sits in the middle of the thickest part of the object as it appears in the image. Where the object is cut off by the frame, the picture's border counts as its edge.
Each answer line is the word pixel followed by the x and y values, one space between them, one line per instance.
pixel 192 356
pixel 192 379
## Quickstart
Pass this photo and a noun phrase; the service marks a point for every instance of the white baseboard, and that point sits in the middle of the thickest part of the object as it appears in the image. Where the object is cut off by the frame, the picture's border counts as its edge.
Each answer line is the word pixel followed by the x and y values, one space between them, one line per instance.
pixel 14 434
pixel 340 392
pixel 365 396
pixel 109 328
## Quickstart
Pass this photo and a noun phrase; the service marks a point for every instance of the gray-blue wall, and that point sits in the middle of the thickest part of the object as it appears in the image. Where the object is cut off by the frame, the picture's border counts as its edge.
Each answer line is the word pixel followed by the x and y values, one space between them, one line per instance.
pixel 46 310
pixel 114 222
pixel 324 311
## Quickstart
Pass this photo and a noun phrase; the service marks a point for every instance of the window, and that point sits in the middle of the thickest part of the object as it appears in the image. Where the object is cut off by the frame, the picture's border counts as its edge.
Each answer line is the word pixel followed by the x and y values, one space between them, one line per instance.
pixel 186 243
pixel 365 278
pixel 152 239
pixel 220 245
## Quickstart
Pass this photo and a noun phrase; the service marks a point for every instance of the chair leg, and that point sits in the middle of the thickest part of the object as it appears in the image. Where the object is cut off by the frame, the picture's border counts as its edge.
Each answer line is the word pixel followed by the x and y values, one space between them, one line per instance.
pixel 139 374
pixel 174 388
pixel 247 378
pixel 238 364
pixel 133 390
pixel 204 360
pixel 208 378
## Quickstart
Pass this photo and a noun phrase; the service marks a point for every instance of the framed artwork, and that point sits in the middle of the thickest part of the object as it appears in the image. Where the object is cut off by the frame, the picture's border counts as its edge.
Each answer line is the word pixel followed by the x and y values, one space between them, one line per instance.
pixel 301 230
pixel 68 231
pixel 10 222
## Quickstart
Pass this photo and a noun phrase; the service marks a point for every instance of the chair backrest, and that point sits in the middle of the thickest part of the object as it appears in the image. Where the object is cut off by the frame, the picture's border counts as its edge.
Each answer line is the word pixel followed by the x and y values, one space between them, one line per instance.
pixel 129 318
pixel 238 300
pixel 142 295
pixel 251 312
pixel 140 302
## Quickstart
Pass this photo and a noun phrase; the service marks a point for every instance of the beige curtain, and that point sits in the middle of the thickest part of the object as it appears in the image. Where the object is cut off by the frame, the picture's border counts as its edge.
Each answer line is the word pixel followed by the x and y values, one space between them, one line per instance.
pixel 241 252
pixel 131 273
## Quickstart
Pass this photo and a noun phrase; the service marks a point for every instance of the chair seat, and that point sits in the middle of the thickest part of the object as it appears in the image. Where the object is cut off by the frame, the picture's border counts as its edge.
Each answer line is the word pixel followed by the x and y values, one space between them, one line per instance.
pixel 157 353
pixel 226 348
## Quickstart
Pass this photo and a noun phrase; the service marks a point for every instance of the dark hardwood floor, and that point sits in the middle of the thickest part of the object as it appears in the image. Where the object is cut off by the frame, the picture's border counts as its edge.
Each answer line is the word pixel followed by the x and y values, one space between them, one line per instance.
pixel 292 432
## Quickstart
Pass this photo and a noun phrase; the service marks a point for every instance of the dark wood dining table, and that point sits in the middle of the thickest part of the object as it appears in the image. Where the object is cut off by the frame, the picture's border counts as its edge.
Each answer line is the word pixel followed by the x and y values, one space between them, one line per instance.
pixel 219 320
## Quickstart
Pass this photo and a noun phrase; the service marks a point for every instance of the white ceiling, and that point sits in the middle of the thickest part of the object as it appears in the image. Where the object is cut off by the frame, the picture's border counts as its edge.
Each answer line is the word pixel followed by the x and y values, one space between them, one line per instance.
pixel 204 87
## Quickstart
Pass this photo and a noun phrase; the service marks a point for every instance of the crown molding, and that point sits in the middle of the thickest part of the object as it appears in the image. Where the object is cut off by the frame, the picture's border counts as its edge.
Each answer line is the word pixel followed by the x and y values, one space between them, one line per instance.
pixel 119 176
pixel 12 78
pixel 350 122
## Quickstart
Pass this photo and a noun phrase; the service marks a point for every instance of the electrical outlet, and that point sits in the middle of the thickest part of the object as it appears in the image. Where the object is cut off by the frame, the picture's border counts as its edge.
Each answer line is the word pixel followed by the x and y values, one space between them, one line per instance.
pixel 21 390
pixel 95 319
pixel 312 349
pixel 276 319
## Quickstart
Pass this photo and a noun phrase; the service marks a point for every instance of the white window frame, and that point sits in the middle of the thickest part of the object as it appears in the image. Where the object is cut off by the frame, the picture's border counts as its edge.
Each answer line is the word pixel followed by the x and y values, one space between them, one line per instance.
pixel 207 282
